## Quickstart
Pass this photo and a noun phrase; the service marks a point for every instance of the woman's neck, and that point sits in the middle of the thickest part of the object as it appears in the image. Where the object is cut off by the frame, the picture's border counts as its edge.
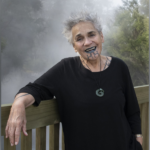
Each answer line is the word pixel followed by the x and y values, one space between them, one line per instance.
pixel 94 65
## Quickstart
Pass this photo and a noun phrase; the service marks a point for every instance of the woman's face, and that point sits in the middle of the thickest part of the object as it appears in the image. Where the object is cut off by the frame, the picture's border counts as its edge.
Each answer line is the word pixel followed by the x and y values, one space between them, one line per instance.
pixel 87 41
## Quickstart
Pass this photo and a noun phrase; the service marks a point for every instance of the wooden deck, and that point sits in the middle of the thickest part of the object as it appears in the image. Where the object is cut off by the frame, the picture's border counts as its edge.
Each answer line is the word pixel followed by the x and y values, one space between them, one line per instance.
pixel 47 115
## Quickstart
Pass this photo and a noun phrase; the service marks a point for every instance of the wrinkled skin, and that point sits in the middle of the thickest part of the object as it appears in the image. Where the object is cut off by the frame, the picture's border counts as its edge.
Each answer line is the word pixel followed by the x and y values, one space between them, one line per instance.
pixel 16 122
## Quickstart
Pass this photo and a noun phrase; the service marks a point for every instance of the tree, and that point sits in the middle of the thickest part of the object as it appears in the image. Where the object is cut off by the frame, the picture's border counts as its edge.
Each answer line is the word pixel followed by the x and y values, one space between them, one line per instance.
pixel 129 40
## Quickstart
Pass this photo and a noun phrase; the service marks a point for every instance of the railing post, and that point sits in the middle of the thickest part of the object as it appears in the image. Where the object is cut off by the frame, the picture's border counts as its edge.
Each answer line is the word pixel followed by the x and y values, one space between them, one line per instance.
pixel 63 143
pixel 41 138
pixel 7 145
pixel 26 141
pixel 144 125
pixel 54 137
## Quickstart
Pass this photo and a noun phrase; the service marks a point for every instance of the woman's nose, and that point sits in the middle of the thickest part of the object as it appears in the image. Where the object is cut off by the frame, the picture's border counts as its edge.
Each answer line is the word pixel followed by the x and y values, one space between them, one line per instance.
pixel 87 41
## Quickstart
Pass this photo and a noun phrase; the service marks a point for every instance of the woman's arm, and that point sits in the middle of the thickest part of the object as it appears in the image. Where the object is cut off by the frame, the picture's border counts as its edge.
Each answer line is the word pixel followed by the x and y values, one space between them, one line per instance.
pixel 132 109
pixel 17 117
pixel 43 88
pixel 27 99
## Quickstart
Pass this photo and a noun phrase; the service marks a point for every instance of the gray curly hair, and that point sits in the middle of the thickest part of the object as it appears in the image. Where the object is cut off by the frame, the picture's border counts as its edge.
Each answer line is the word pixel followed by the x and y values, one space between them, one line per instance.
pixel 77 17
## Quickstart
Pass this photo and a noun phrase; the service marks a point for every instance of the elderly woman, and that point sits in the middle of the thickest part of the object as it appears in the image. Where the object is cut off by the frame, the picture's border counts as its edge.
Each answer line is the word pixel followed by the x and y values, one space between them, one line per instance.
pixel 95 95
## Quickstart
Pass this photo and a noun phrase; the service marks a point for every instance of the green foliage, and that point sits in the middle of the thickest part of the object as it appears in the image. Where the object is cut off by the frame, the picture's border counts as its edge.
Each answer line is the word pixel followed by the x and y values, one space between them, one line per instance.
pixel 129 40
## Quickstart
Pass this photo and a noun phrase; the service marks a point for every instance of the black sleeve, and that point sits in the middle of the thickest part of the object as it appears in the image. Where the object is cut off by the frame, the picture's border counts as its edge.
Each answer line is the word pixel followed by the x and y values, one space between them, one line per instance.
pixel 132 109
pixel 45 87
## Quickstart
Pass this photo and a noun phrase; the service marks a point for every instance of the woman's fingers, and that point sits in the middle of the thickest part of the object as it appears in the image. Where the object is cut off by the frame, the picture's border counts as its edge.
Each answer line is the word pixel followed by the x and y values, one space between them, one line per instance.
pixel 13 130
pixel 24 129
pixel 16 121
pixel 7 126
pixel 18 130
pixel 6 131
pixel 11 134
pixel 17 134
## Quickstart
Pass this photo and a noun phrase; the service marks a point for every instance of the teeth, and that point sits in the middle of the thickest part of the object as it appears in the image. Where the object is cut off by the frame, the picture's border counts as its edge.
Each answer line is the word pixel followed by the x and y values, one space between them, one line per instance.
pixel 89 49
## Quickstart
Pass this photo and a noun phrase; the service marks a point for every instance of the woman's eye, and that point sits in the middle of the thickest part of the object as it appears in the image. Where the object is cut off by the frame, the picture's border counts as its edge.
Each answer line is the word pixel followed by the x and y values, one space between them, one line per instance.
pixel 79 39
pixel 92 34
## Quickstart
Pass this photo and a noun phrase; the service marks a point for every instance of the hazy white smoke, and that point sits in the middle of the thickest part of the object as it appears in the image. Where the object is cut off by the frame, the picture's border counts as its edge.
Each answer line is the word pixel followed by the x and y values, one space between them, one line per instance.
pixel 34 38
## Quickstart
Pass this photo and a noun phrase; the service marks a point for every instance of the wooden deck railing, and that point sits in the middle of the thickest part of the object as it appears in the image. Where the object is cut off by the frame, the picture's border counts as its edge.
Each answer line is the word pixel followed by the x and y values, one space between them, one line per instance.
pixel 47 115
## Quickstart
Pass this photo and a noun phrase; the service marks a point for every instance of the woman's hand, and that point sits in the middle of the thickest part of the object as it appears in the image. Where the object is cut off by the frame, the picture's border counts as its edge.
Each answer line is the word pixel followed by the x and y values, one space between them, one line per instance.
pixel 139 139
pixel 16 122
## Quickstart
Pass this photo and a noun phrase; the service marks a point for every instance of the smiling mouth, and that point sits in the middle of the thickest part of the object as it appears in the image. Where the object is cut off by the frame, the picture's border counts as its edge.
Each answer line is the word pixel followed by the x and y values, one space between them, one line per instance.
pixel 90 50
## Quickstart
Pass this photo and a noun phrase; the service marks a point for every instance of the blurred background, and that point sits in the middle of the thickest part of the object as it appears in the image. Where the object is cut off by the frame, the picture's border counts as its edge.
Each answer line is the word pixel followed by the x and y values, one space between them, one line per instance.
pixel 32 40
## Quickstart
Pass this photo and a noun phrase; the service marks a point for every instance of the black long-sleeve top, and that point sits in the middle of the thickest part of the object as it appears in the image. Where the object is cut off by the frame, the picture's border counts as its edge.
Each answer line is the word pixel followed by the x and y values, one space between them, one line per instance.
pixel 90 122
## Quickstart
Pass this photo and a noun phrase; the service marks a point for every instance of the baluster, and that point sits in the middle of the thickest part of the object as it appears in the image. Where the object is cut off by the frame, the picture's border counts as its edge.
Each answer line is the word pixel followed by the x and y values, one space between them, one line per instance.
pixel 26 141
pixel 144 125
pixel 7 145
pixel 54 137
pixel 63 143
pixel 41 138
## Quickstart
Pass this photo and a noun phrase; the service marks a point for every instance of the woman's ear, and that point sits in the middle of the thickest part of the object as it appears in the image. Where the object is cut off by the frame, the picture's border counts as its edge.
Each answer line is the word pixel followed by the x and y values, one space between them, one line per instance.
pixel 74 48
pixel 76 52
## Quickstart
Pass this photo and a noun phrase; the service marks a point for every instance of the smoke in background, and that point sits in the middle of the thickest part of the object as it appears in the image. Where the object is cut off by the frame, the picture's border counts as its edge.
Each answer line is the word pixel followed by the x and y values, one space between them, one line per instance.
pixel 31 32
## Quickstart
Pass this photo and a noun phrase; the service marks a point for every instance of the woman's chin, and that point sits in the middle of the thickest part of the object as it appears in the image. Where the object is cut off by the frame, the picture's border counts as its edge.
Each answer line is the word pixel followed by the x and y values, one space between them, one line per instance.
pixel 90 57
pixel 93 58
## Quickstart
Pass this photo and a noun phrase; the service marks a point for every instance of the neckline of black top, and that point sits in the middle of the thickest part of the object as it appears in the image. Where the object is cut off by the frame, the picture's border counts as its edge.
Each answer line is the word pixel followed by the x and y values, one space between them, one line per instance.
pixel 96 75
